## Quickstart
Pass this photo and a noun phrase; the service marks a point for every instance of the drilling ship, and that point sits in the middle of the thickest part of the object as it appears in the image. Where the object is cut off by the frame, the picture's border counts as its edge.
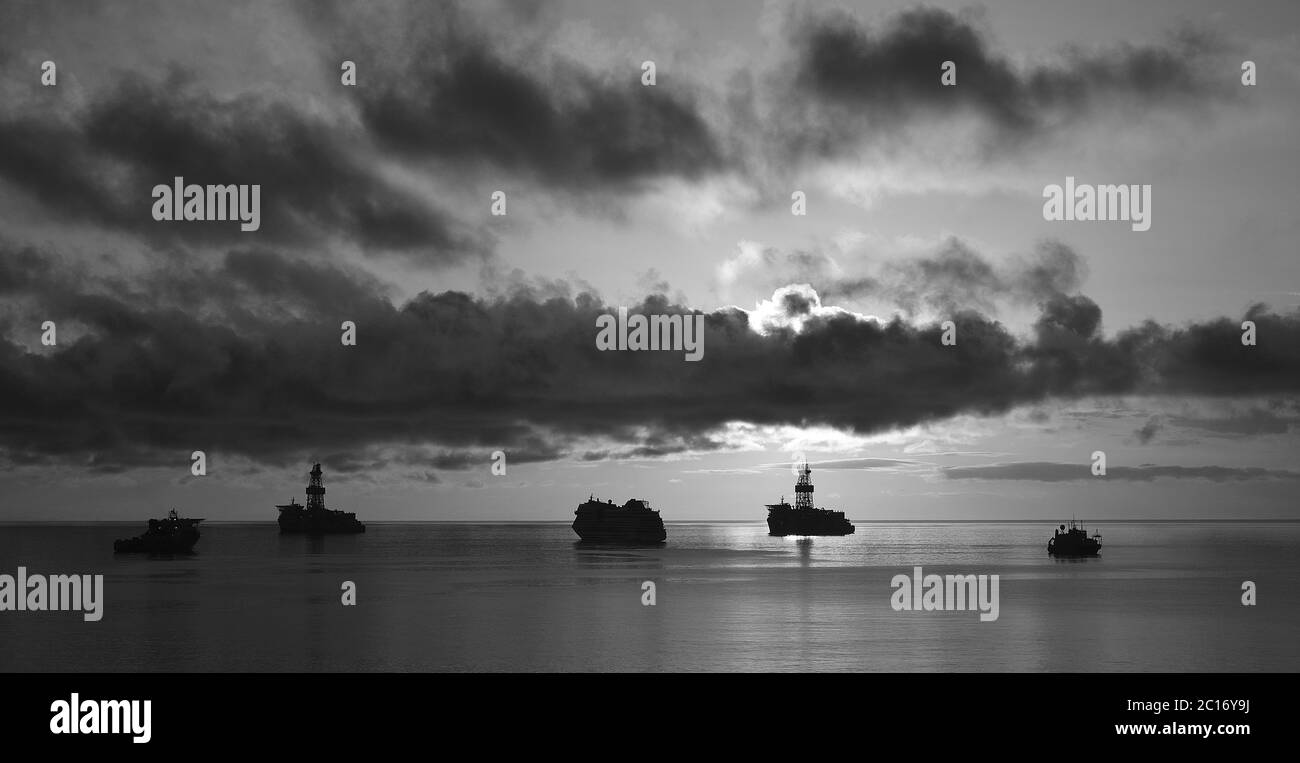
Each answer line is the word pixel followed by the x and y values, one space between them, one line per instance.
pixel 607 522
pixel 314 518
pixel 802 518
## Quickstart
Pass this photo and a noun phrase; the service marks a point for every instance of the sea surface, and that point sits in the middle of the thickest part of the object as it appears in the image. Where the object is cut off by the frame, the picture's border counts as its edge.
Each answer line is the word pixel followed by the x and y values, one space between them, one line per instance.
pixel 529 597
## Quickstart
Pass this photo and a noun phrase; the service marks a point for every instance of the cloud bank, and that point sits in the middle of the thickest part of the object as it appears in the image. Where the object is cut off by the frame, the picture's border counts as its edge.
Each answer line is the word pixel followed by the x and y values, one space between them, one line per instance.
pixel 245 356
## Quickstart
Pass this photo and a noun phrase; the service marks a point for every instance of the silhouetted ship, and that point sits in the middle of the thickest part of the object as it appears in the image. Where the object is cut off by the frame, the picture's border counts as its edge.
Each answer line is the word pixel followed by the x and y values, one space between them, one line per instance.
pixel 314 518
pixel 605 522
pixel 170 535
pixel 1073 541
pixel 802 518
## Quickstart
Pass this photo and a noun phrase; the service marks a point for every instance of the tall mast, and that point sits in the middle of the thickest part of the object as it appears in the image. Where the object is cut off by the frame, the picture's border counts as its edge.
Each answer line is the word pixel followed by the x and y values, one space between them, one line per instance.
pixel 803 489
pixel 316 491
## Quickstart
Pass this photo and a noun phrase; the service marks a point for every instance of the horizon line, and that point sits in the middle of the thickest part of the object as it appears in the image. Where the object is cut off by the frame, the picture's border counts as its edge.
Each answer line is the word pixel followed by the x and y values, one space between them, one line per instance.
pixel 86 522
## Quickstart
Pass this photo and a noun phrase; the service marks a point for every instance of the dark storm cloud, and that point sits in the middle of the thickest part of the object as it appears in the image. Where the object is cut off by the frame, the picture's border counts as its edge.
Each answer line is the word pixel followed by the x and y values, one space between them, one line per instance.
pixel 253 365
pixel 1248 424
pixel 795 304
pixel 1148 431
pixel 1209 358
pixel 851 80
pixel 99 164
pixel 952 278
pixel 486 95
pixel 462 101
pixel 1042 471
pixel 378 459
pixel 523 450
pixel 442 85
pixel 443 94
pixel 25 270
pixel 958 277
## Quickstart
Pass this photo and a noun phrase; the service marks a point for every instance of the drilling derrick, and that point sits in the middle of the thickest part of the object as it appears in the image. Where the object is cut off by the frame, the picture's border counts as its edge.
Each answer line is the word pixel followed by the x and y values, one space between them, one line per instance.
pixel 803 488
pixel 315 491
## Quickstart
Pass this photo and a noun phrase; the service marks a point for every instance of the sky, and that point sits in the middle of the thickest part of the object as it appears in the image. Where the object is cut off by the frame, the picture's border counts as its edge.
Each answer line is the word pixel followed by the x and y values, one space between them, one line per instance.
pixel 476 332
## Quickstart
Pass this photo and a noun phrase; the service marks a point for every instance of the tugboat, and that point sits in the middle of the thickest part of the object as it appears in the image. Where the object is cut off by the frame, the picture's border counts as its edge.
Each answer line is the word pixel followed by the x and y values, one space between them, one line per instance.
pixel 171 535
pixel 802 518
pixel 606 522
pixel 314 518
pixel 1073 541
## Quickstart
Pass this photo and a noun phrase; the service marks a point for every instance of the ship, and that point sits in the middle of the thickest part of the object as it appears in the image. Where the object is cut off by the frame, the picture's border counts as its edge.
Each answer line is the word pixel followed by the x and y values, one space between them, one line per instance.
pixel 802 518
pixel 171 535
pixel 1073 541
pixel 314 518
pixel 607 522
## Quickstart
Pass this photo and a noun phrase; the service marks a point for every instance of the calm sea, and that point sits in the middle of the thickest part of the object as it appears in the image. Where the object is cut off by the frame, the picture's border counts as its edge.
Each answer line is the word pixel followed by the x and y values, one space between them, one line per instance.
pixel 527 597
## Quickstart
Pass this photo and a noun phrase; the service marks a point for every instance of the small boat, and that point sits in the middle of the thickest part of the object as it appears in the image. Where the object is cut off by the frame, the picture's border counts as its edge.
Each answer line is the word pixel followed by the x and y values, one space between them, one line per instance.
pixel 171 535
pixel 1073 541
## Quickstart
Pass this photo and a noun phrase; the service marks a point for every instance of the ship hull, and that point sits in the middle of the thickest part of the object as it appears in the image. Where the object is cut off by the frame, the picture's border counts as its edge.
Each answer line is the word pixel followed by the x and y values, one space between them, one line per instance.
pixel 177 543
pixel 1073 549
pixel 781 529
pixel 634 531
pixel 794 522
pixel 304 524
